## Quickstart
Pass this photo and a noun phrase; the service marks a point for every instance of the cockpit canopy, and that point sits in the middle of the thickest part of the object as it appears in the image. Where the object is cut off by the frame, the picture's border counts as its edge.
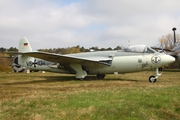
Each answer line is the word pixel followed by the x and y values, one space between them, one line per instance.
pixel 139 49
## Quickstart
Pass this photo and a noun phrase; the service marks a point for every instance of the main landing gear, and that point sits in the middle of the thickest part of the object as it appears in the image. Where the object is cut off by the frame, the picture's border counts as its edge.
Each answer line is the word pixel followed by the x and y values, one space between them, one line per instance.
pixel 153 79
pixel 80 73
pixel 100 76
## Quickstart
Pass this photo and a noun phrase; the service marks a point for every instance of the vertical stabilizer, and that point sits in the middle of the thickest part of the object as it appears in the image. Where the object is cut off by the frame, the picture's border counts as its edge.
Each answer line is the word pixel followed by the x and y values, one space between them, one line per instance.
pixel 24 45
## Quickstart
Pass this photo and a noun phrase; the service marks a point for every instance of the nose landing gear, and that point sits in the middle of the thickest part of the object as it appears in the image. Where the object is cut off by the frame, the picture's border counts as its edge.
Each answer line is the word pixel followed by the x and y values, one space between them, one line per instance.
pixel 153 79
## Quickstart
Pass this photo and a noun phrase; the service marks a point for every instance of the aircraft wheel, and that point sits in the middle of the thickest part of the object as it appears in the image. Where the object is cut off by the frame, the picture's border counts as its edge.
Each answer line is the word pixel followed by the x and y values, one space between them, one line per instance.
pixel 152 79
pixel 100 76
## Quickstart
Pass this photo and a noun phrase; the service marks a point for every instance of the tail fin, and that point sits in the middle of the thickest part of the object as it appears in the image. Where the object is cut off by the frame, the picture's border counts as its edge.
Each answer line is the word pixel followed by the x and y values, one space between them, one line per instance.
pixel 24 45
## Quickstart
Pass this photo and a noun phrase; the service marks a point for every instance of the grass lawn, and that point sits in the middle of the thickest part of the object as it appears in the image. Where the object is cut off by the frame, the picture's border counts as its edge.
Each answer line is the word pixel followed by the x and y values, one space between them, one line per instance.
pixel 38 96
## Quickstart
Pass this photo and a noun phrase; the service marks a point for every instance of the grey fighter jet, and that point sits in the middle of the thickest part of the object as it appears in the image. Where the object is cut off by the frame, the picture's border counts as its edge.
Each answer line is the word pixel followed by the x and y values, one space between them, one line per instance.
pixel 131 59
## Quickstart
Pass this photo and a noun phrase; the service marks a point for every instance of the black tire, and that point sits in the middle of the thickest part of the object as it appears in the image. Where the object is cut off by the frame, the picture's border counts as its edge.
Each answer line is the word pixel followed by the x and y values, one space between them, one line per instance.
pixel 100 76
pixel 151 79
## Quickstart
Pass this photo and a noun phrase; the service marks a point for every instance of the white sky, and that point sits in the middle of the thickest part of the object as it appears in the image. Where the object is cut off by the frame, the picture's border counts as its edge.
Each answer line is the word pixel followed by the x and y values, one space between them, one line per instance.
pixel 102 23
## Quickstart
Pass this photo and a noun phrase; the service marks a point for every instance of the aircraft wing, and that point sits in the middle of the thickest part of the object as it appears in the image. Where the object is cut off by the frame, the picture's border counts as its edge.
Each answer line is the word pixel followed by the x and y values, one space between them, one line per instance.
pixel 69 59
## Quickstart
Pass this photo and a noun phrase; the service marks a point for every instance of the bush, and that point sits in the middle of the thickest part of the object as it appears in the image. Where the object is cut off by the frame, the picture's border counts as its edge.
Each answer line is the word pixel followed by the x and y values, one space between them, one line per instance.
pixel 4 68
pixel 5 63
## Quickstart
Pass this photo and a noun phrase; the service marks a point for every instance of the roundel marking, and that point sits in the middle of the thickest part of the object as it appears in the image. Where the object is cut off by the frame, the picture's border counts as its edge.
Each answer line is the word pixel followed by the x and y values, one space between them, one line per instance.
pixel 156 59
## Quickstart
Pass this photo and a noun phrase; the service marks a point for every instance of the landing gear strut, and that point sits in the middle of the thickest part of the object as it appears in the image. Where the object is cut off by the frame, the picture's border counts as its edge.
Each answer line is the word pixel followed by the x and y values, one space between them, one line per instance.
pixel 153 79
pixel 80 73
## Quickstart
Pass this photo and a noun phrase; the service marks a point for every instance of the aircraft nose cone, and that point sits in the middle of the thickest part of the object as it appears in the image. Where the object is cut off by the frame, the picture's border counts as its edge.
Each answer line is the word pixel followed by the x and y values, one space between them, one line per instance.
pixel 162 59
pixel 169 59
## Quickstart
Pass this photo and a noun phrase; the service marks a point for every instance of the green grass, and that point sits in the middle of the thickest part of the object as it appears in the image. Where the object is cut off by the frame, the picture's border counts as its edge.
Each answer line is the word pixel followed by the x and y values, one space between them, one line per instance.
pixel 54 96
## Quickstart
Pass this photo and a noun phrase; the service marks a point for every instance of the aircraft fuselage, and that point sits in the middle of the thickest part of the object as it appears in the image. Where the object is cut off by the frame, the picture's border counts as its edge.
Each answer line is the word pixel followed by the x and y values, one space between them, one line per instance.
pixel 123 62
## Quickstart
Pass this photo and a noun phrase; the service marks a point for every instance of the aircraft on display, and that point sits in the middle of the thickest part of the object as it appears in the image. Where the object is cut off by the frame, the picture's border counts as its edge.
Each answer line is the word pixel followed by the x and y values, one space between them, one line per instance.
pixel 175 52
pixel 131 59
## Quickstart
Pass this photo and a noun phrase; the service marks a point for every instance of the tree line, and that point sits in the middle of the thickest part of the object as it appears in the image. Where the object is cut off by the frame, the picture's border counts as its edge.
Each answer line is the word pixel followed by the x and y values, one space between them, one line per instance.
pixel 165 41
pixel 2 49
pixel 68 50
pixel 77 49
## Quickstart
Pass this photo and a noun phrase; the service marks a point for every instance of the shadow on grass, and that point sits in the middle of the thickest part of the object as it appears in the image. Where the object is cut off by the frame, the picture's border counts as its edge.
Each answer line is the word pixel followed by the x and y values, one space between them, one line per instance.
pixel 52 79
pixel 171 70
pixel 48 79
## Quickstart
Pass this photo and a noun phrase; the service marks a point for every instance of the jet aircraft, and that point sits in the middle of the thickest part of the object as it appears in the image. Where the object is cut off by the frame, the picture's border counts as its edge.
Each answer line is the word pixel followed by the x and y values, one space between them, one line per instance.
pixel 131 59
pixel 175 52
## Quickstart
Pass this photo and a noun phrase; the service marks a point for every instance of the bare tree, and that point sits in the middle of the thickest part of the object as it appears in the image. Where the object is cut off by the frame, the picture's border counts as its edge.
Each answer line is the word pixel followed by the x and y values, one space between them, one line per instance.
pixel 167 41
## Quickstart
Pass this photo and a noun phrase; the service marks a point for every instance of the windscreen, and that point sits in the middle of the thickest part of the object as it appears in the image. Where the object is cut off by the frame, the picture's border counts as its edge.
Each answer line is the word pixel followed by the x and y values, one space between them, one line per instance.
pixel 139 49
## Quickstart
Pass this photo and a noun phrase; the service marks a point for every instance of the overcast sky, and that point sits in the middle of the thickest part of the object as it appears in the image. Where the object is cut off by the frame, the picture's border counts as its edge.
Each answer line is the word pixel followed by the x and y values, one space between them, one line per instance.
pixel 102 23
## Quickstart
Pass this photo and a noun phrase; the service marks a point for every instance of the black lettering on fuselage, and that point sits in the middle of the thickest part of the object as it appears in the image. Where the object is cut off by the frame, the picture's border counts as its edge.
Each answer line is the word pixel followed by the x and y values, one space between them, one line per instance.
pixel 39 63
